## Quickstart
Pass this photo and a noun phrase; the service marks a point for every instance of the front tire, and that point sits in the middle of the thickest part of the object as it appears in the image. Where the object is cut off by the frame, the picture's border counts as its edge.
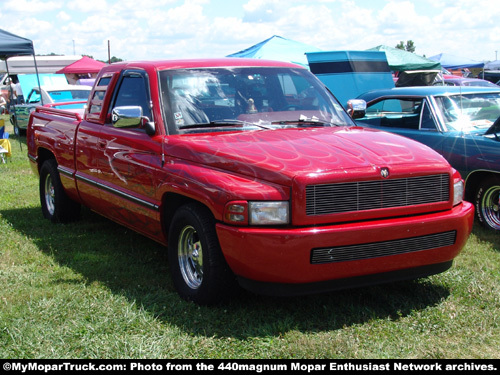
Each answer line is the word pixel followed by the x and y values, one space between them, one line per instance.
pixel 56 206
pixel 17 130
pixel 199 271
pixel 487 202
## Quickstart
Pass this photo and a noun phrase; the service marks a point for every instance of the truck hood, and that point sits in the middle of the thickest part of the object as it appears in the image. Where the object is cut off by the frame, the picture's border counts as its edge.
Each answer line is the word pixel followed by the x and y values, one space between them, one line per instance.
pixel 281 155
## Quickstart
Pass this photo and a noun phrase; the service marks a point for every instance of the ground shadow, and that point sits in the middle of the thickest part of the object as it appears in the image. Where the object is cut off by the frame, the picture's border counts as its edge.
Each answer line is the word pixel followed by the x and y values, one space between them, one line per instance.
pixel 488 235
pixel 136 267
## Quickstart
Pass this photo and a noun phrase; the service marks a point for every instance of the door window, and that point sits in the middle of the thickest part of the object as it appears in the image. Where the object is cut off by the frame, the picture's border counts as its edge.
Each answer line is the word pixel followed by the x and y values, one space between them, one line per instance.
pixel 133 91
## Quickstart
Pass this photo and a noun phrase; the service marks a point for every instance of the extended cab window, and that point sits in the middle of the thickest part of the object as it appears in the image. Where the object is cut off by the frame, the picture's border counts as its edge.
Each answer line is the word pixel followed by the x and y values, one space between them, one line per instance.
pixel 98 98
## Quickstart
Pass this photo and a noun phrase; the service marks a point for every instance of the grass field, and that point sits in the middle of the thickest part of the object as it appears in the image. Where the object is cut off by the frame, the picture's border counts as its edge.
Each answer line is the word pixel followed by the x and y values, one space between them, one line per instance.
pixel 93 289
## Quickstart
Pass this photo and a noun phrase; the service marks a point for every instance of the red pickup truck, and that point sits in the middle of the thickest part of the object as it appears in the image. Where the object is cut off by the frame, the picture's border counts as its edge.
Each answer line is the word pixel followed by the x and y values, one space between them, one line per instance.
pixel 252 174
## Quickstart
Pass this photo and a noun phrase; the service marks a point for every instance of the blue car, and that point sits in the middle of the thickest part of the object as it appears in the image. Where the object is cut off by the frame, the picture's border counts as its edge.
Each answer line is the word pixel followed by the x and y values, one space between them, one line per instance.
pixel 461 123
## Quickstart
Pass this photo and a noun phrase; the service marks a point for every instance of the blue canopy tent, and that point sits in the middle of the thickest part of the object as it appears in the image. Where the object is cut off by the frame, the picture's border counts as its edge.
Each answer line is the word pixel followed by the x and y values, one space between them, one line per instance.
pixel 13 45
pixel 280 49
pixel 452 62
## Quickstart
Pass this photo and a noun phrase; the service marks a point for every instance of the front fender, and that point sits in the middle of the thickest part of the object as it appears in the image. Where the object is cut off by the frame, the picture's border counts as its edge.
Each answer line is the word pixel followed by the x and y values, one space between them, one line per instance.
pixel 214 187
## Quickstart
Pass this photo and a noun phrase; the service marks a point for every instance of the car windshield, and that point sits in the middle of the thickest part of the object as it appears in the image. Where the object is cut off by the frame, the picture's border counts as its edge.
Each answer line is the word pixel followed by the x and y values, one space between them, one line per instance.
pixel 478 82
pixel 469 111
pixel 68 95
pixel 211 99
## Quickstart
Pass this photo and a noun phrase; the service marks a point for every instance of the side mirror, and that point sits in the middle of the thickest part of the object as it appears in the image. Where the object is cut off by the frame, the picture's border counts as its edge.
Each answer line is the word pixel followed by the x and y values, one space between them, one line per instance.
pixel 126 117
pixel 130 117
pixel 356 108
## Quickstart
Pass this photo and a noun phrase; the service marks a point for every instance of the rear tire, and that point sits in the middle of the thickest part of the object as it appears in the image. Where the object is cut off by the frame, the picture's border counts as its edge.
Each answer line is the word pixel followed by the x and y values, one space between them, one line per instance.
pixel 199 271
pixel 56 206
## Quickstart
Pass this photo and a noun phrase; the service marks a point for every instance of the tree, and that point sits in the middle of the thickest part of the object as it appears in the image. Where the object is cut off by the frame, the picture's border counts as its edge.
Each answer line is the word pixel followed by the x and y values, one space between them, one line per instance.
pixel 112 60
pixel 409 46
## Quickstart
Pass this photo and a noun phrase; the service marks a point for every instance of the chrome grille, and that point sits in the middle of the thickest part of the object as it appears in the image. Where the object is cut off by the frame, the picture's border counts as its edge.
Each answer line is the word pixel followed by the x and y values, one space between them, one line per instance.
pixel 380 249
pixel 371 195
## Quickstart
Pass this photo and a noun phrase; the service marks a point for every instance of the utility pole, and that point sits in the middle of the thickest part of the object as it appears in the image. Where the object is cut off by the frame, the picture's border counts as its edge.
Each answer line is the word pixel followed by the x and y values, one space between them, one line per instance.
pixel 109 53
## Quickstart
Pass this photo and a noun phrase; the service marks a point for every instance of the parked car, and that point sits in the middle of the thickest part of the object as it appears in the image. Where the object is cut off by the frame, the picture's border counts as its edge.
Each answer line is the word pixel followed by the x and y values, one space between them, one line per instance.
pixel 491 75
pixel 460 81
pixel 461 123
pixel 69 97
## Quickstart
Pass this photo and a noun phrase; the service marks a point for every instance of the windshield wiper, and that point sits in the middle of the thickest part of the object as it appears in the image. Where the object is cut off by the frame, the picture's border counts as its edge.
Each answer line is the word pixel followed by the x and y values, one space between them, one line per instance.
pixel 221 123
pixel 212 124
pixel 303 120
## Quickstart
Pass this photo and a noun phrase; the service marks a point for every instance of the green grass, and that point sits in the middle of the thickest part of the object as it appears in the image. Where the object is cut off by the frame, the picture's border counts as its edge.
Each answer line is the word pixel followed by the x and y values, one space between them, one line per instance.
pixel 93 289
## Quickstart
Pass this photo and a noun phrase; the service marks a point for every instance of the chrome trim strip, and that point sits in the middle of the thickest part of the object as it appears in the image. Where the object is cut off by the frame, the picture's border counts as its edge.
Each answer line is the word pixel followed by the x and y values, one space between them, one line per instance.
pixel 119 193
pixel 65 171
pixel 381 249
pixel 343 197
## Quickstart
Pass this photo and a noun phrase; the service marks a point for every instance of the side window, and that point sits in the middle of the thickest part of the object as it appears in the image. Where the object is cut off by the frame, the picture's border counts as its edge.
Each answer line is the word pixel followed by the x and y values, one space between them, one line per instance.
pixel 34 97
pixel 427 120
pixel 394 113
pixel 133 91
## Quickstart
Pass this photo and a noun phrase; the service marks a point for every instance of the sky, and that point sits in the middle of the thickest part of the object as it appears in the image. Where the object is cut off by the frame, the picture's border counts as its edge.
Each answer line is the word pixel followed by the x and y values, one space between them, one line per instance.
pixel 171 29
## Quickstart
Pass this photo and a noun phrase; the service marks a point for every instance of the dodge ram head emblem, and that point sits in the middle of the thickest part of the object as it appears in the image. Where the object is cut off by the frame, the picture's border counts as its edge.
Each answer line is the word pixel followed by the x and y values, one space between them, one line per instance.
pixel 384 172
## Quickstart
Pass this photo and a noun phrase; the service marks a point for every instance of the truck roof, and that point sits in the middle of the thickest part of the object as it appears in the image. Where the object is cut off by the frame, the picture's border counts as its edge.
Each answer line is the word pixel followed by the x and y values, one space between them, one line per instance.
pixel 199 63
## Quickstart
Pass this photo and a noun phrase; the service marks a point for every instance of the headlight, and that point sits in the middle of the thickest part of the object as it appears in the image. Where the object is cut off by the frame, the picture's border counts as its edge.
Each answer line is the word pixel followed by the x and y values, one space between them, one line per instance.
pixel 458 192
pixel 268 213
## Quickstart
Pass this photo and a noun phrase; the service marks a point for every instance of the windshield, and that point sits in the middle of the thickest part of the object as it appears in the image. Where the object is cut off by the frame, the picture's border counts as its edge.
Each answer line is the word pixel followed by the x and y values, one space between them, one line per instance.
pixel 200 100
pixel 479 83
pixel 68 95
pixel 469 111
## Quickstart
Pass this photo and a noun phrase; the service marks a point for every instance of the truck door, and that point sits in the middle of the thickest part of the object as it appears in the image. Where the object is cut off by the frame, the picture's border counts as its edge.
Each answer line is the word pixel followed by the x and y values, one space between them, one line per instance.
pixel 87 153
pixel 129 160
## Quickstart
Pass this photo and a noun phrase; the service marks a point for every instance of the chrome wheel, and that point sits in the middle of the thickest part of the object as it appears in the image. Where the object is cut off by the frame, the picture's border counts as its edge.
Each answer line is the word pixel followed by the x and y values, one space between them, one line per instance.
pixel 198 267
pixel 49 195
pixel 56 206
pixel 190 256
pixel 490 207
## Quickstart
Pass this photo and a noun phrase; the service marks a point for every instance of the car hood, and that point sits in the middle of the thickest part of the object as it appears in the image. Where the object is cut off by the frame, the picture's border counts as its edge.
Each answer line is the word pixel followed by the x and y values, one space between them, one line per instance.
pixel 282 155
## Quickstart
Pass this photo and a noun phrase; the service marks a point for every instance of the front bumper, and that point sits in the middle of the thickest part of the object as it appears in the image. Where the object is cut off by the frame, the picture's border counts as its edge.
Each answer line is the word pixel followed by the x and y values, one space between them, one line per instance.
pixel 284 257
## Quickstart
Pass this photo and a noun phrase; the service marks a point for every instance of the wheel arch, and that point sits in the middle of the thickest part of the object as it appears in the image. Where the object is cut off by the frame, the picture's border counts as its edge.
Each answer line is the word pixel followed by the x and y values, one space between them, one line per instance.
pixel 473 181
pixel 171 202
pixel 44 154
